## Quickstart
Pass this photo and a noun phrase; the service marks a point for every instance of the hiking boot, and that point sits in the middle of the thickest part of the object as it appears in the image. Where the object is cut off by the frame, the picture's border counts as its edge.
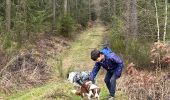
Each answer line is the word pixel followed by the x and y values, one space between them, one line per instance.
pixel 111 98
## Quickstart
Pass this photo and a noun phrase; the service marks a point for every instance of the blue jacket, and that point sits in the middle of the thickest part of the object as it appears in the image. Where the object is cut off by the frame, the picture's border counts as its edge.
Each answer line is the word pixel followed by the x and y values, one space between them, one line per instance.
pixel 111 62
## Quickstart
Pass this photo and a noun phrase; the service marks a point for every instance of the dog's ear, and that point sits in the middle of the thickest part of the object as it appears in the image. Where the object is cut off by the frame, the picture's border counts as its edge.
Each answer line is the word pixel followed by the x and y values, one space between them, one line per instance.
pixel 99 91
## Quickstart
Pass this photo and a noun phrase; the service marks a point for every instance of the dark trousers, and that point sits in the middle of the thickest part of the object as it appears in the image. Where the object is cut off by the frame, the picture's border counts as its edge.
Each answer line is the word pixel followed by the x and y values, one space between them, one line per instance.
pixel 110 80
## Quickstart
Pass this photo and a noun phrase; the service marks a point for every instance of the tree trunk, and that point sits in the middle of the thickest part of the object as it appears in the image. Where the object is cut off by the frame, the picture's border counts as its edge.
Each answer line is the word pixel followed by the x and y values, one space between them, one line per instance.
pixel 23 3
pixel 68 6
pixel 89 10
pixel 157 21
pixel 127 33
pixel 65 7
pixel 131 21
pixel 166 18
pixel 54 14
pixel 113 8
pixel 8 14
pixel 76 11
pixel 133 18
pixel 131 13
pixel 109 7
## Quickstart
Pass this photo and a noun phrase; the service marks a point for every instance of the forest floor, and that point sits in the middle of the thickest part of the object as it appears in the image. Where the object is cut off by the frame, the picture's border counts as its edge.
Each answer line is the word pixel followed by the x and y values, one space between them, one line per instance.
pixel 75 58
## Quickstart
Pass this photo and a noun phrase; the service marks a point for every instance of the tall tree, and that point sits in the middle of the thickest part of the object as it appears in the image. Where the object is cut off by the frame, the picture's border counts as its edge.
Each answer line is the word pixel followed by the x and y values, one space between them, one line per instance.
pixel 109 6
pixel 97 7
pixel 157 20
pixel 65 7
pixel 8 14
pixel 113 7
pixel 76 10
pixel 54 14
pixel 89 10
pixel 23 4
pixel 166 18
pixel 132 18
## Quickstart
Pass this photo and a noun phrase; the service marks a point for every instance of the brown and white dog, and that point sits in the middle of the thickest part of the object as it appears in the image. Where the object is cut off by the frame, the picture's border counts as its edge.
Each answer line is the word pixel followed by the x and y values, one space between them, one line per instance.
pixel 88 89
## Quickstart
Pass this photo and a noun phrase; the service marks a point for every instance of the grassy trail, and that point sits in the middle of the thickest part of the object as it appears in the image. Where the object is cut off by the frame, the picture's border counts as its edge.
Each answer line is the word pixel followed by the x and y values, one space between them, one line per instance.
pixel 76 58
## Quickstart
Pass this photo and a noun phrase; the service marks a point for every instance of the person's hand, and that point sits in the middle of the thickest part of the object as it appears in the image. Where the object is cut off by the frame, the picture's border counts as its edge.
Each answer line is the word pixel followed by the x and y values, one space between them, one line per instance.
pixel 118 72
pixel 89 82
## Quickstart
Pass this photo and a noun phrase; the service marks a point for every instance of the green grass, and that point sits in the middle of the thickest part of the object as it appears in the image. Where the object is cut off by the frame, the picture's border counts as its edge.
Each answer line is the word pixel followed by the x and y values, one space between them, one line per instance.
pixel 76 58
pixel 31 94
pixel 118 96
pixel 50 91
pixel 58 91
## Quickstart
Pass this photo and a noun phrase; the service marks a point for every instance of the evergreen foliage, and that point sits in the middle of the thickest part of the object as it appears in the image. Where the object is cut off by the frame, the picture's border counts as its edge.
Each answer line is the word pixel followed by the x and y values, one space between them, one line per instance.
pixel 29 18
pixel 66 25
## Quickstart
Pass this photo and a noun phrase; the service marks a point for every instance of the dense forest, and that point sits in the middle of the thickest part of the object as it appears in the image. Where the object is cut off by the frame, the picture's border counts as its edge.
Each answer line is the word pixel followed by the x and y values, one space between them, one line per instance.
pixel 138 30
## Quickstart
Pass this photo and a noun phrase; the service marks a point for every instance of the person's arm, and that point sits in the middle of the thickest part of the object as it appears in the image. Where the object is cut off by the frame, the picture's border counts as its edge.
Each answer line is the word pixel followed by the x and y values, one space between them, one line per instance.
pixel 116 59
pixel 95 70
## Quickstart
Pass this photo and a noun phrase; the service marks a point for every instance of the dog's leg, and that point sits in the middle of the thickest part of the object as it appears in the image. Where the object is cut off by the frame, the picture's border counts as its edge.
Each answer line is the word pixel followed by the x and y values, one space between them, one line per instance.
pixel 88 96
pixel 98 98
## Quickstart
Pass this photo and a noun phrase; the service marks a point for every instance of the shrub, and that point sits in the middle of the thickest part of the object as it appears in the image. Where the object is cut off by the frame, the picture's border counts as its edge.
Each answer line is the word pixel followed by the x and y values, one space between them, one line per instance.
pixel 7 42
pixel 133 50
pixel 93 16
pixel 83 20
pixel 117 40
pixel 138 52
pixel 66 25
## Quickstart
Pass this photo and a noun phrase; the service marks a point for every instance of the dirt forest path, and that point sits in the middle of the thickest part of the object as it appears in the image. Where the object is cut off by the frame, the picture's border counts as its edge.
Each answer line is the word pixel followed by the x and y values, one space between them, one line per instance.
pixel 76 58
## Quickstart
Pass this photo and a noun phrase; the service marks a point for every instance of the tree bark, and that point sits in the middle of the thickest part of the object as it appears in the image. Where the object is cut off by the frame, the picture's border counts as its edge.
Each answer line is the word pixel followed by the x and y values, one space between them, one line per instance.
pixel 166 18
pixel 157 21
pixel 68 6
pixel 76 10
pixel 109 7
pixel 113 8
pixel 54 14
pixel 89 10
pixel 65 7
pixel 23 3
pixel 132 18
pixel 8 15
